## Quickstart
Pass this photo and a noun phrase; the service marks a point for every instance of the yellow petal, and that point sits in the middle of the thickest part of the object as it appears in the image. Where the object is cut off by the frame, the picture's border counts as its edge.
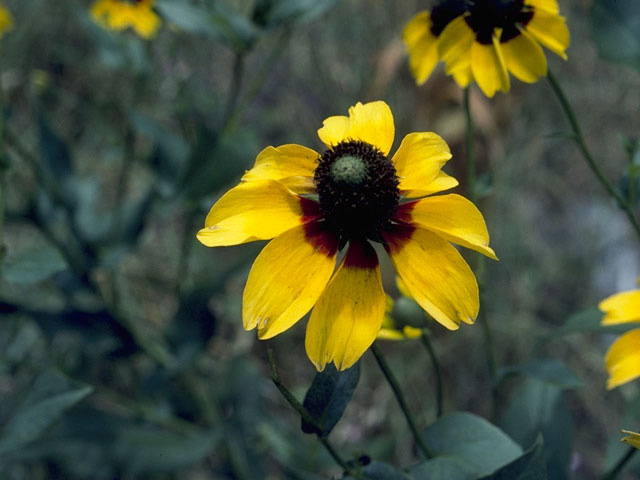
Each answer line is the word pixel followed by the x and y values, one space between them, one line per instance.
pixel 390 334
pixel 402 288
pixel 284 162
pixel 550 30
pixel 452 217
pixel 441 183
pixel 6 20
pixel 348 315
pixel 524 58
pixel 621 308
pixel 422 46
pixel 371 123
pixel 287 279
pixel 454 47
pixel 632 439
pixel 419 159
pixel 462 75
pixel 488 68
pixel 435 274
pixel 550 6
pixel 257 210
pixel 623 359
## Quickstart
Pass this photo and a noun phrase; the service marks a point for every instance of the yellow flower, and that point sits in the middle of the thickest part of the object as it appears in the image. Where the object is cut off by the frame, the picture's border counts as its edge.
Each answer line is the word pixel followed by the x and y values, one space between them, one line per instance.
pixel 313 205
pixel 123 14
pixel 632 439
pixel 483 40
pixel 6 21
pixel 623 357
pixel 390 330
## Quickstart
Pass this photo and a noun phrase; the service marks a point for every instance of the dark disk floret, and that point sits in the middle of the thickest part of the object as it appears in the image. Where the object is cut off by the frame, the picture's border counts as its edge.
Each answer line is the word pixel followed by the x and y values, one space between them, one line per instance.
pixel 487 15
pixel 358 191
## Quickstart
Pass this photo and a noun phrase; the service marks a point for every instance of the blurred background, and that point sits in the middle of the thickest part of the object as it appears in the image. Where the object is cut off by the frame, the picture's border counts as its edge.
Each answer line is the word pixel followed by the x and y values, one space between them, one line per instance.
pixel 122 353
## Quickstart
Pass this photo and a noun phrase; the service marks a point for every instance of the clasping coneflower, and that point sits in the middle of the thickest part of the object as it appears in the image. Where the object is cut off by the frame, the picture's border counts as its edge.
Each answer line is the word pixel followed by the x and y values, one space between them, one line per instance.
pixel 347 198
pixel 122 14
pixel 623 357
pixel 483 40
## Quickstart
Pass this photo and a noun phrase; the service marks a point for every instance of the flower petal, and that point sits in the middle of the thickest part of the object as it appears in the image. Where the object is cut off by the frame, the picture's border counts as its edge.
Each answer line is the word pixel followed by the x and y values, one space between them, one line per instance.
pixel 453 217
pixel 286 162
pixel 440 183
pixel 632 439
pixel 371 123
pixel 622 307
pixel 348 315
pixel 623 359
pixel 550 6
pixel 419 159
pixel 488 67
pixel 550 30
pixel 435 274
pixel 287 279
pixel 454 48
pixel 524 58
pixel 422 46
pixel 255 211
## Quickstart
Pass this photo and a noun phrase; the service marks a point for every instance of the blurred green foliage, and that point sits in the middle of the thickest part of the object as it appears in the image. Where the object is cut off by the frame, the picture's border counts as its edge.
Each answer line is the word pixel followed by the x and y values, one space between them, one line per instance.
pixel 121 349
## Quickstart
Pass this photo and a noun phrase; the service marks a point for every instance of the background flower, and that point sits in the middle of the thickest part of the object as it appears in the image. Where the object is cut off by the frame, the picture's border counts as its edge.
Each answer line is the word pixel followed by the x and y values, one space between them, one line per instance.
pixel 123 14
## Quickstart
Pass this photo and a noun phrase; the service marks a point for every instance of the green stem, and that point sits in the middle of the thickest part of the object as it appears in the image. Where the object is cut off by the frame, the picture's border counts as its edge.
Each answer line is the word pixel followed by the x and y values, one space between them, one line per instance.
pixel 426 341
pixel 393 383
pixel 617 468
pixel 578 138
pixel 304 414
pixel 479 267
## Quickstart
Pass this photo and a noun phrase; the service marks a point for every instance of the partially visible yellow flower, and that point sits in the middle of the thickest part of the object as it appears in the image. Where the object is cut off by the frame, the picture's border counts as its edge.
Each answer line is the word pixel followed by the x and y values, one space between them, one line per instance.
pixel 353 194
pixel 632 439
pixel 123 14
pixel 483 40
pixel 623 357
pixel 6 21
pixel 390 330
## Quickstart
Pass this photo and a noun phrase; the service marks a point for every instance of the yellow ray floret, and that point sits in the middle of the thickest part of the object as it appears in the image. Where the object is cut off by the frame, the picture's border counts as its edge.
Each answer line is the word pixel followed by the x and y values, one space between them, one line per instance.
pixel 122 14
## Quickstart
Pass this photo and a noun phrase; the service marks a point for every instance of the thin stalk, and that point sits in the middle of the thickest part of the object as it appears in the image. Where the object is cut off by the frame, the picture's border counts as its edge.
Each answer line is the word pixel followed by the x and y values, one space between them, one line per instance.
pixel 479 267
pixel 620 464
pixel 426 341
pixel 395 386
pixel 234 89
pixel 304 414
pixel 578 138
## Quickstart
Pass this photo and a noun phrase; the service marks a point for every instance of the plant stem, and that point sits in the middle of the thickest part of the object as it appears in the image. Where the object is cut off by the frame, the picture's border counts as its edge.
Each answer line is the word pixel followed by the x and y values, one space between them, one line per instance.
pixel 578 138
pixel 479 267
pixel 393 383
pixel 617 468
pixel 426 341
pixel 304 414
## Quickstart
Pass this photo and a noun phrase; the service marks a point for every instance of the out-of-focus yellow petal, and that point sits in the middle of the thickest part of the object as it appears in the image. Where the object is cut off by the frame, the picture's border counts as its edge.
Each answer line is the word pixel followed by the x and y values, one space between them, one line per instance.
pixel 287 279
pixel 283 162
pixel 6 21
pixel 349 314
pixel 550 6
pixel 488 68
pixel 623 359
pixel 632 439
pixel 524 58
pixel 120 14
pixel 422 46
pixel 370 122
pixel 257 210
pixel 390 334
pixel 441 183
pixel 419 159
pixel 436 275
pixel 454 48
pixel 402 288
pixel 550 30
pixel 451 216
pixel 622 307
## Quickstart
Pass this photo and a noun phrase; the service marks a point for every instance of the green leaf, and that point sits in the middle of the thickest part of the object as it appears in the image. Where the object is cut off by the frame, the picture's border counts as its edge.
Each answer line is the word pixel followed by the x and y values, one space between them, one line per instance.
pixel 382 471
pixel 271 14
pixel 616 30
pixel 537 408
pixel 448 468
pixel 549 371
pixel 530 466
pixel 33 266
pixel 472 440
pixel 49 397
pixel 54 151
pixel 328 396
